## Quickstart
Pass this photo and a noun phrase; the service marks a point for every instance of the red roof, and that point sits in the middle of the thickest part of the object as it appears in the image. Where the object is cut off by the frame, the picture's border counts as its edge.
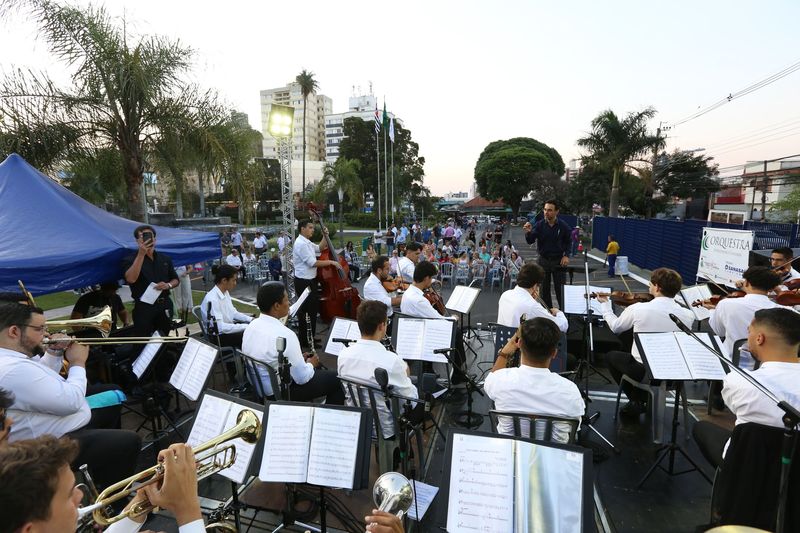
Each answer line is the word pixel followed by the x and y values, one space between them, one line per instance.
pixel 483 202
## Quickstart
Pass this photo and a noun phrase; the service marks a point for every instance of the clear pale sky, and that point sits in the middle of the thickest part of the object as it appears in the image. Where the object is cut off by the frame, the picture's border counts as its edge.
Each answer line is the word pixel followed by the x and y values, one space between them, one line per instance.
pixel 463 74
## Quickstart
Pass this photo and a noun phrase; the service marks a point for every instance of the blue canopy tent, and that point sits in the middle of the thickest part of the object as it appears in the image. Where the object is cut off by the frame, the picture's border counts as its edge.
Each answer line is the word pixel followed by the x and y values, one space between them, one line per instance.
pixel 54 240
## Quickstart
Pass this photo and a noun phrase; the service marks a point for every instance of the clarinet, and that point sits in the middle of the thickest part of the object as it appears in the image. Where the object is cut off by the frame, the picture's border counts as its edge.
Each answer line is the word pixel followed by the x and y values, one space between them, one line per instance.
pixel 310 340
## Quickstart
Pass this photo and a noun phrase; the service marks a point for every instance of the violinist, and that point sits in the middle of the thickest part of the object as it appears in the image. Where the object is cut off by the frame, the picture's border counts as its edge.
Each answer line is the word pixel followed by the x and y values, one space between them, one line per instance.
pixel 781 262
pixel 373 287
pixel 730 318
pixel 643 317
pixel 304 256
pixel 408 263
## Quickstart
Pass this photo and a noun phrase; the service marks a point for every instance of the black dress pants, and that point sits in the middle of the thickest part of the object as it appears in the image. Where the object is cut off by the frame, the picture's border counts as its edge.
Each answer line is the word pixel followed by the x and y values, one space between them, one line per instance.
pixel 620 363
pixel 230 340
pixel 549 264
pixel 323 383
pixel 310 307
pixel 111 454
pixel 149 318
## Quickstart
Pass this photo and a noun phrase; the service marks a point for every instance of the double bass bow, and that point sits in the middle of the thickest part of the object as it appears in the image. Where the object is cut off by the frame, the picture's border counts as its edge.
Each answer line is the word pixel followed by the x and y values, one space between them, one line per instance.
pixel 337 296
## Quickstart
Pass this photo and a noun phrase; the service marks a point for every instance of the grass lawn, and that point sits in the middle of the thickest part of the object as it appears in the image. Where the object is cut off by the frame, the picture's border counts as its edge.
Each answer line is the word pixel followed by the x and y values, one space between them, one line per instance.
pixel 56 300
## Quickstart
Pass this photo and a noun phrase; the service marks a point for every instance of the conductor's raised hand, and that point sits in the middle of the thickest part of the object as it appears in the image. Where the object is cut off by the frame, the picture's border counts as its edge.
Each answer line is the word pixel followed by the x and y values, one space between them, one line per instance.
pixel 527 228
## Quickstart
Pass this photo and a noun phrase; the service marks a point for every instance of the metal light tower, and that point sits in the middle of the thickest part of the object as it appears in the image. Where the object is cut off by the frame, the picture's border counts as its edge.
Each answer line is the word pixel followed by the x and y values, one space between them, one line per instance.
pixel 279 126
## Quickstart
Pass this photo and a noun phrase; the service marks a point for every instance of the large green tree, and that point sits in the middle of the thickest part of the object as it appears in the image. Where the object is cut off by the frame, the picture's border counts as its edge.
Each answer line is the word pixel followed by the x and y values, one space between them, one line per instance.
pixel 308 85
pixel 615 143
pixel 510 170
pixel 125 90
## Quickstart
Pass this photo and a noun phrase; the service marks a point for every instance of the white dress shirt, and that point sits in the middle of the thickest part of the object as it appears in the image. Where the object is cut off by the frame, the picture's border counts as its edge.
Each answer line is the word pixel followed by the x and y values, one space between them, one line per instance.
pixel 646 317
pixel 259 342
pixel 517 302
pixel 305 255
pixel 44 403
pixel 415 304
pixel 234 261
pixel 528 389
pixel 792 274
pixel 126 525
pixel 732 316
pixel 394 264
pixel 373 290
pixel 229 320
pixel 405 267
pixel 358 363
pixel 260 242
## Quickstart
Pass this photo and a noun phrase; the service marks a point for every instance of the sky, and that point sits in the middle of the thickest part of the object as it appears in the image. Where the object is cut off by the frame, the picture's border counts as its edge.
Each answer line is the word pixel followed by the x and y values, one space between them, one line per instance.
pixel 467 73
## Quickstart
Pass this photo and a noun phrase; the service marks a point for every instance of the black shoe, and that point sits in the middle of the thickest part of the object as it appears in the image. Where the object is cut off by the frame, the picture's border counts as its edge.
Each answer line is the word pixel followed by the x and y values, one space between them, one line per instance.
pixel 633 409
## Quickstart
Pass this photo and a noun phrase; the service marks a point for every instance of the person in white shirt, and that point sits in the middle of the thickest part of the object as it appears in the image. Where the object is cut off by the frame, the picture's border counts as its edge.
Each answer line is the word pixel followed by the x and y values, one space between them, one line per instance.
pixel 236 239
pixel 373 287
pixel 304 255
pixel 780 260
pixel 524 300
pixel 260 342
pixel 39 492
pixel 230 323
pixel 394 263
pixel 235 260
pixel 47 404
pixel 248 255
pixel 6 400
pixel 260 243
pixel 407 263
pixel 731 317
pixel 358 361
pixel 531 387
pixel 644 317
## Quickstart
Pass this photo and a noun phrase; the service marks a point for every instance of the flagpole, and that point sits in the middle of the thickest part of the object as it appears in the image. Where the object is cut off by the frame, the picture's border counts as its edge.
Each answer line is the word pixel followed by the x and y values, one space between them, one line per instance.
pixel 385 172
pixel 378 167
pixel 392 167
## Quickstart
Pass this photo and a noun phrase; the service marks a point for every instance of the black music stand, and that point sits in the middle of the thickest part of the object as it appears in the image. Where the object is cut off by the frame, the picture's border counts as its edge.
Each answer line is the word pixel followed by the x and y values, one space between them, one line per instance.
pixel 468 418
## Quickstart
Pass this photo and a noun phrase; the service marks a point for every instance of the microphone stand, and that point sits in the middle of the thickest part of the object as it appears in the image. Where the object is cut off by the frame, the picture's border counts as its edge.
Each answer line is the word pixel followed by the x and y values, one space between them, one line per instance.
pixel 466 418
pixel 790 419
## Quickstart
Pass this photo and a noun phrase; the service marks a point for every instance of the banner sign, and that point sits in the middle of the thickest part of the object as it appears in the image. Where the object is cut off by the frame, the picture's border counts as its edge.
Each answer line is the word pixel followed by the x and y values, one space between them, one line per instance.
pixel 724 255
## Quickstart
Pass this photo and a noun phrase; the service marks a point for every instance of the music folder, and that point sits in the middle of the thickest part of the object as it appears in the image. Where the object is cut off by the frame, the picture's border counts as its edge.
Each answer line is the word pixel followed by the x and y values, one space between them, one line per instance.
pixel 342 328
pixel 689 295
pixel 216 414
pixel 416 338
pixel 462 299
pixel 575 299
pixel 676 355
pixel 322 445
pixel 503 484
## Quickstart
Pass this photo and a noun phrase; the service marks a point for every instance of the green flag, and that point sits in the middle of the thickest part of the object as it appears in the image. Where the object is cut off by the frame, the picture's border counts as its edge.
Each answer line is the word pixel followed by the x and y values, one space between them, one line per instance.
pixel 385 117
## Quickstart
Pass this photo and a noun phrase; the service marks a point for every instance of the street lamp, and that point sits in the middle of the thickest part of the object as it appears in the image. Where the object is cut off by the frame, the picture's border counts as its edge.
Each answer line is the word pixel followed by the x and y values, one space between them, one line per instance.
pixel 341 231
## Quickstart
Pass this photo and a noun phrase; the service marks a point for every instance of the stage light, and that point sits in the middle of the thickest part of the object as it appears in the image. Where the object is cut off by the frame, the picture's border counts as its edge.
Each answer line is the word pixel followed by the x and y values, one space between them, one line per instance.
pixel 280 120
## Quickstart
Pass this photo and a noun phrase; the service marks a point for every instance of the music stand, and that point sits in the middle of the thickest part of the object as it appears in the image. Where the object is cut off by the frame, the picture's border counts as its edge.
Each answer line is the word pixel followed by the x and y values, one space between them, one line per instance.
pixel 461 301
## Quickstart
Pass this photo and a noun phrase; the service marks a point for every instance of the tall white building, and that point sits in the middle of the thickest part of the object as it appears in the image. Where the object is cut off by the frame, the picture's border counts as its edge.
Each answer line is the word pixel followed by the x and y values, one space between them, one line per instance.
pixel 362 107
pixel 319 106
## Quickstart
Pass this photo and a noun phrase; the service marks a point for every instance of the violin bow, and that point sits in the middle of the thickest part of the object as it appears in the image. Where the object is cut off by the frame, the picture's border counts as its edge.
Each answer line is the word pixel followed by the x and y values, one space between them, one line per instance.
pixel 626 284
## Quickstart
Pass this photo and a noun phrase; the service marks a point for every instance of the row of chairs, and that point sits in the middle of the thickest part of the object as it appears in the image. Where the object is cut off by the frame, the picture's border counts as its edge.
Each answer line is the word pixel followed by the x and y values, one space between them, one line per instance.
pixel 454 274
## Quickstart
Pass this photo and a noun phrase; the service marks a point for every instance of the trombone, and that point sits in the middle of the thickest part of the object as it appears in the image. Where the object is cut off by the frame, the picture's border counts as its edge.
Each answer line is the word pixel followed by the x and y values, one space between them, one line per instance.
pixel 102 322
pixel 247 428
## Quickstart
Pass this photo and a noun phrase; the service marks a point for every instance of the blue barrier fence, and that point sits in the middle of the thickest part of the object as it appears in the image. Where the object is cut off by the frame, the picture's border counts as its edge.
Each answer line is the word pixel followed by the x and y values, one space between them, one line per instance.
pixel 655 243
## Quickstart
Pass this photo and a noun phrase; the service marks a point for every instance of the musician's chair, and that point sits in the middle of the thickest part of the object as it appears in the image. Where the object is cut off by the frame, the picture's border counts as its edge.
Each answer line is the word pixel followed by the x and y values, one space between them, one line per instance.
pixel 537 427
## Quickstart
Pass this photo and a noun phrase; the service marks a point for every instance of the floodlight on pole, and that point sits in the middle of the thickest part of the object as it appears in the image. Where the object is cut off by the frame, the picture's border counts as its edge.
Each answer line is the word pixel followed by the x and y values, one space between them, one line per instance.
pixel 279 126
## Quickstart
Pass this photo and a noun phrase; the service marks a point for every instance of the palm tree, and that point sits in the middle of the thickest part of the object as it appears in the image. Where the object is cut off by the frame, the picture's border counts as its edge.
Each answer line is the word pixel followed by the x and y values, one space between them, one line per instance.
pixel 613 144
pixel 308 85
pixel 124 90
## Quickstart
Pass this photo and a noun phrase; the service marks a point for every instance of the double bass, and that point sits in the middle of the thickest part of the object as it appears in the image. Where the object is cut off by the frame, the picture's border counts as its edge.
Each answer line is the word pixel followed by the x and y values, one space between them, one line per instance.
pixel 337 296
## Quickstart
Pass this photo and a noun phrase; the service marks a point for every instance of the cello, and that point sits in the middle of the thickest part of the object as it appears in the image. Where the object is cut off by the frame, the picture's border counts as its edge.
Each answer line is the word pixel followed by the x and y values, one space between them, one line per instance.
pixel 337 296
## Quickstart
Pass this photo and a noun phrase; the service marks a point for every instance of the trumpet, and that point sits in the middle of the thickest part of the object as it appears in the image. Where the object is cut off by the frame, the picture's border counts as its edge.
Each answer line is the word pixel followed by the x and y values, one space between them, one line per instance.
pixel 247 428
pixel 392 493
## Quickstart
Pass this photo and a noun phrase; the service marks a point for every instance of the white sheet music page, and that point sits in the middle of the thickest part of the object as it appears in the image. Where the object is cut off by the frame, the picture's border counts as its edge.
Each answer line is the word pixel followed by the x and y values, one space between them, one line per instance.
pixel 575 299
pixel 150 294
pixel 664 357
pixel 237 472
pixel 481 495
pixel 286 443
pixel 342 328
pixel 691 295
pixel 146 356
pixel 302 298
pixel 334 447
pixel 438 334
pixel 702 363
pixel 462 299
pixel 423 496
pixel 178 377
pixel 209 420
pixel 410 334
pixel 198 373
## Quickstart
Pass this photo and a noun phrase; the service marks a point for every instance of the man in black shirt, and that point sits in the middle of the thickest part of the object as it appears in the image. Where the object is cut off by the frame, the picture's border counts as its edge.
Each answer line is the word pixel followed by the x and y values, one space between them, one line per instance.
pixel 145 267
pixel 552 238
pixel 93 302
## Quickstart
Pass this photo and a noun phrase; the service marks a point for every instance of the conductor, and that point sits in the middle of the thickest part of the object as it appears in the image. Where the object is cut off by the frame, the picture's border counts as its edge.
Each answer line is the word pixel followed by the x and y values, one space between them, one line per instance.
pixel 552 237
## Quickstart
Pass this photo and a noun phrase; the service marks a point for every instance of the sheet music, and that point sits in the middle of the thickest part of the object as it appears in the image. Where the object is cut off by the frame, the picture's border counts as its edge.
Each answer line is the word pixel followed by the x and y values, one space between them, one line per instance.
pixel 334 447
pixel 410 334
pixel 462 299
pixel 150 294
pixel 209 420
pixel 702 363
pixel 237 472
pixel 146 356
pixel 438 334
pixel 481 495
pixel 302 298
pixel 423 496
pixel 286 444
pixel 691 295
pixel 342 329
pixel 192 370
pixel 575 299
pixel 664 357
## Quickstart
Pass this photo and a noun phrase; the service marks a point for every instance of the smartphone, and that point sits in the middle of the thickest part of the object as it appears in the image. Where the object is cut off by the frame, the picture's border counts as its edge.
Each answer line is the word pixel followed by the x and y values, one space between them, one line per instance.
pixel 147 236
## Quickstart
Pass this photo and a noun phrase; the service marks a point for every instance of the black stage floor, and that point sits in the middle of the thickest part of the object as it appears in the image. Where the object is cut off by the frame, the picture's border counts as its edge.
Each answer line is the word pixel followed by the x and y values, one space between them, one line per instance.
pixel 663 504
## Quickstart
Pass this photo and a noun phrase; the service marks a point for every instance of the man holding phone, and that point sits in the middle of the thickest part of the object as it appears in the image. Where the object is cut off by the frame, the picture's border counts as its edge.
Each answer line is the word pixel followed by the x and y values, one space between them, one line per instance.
pixel 145 267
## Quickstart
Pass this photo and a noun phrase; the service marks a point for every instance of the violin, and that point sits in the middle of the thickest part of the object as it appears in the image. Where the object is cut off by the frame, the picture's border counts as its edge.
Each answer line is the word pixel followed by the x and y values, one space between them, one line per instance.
pixel 792 284
pixel 395 284
pixel 624 298
pixel 435 299
pixel 715 299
